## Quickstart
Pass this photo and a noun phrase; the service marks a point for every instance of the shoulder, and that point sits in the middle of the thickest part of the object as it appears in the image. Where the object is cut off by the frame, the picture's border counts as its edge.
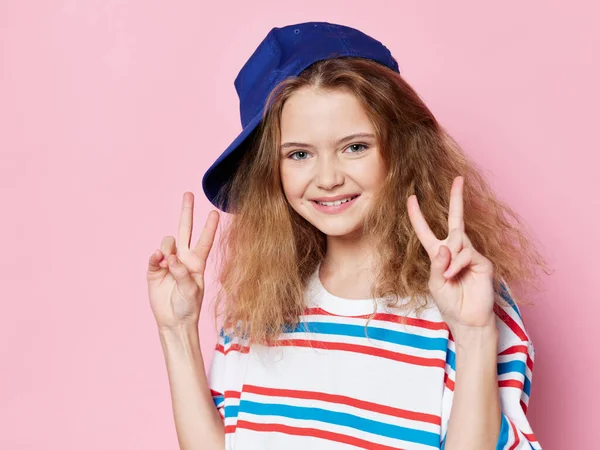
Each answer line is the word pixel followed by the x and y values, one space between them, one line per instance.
pixel 228 342
pixel 509 320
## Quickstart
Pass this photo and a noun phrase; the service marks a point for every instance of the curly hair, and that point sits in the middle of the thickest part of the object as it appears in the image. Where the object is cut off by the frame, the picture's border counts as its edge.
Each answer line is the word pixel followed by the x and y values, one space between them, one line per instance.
pixel 269 251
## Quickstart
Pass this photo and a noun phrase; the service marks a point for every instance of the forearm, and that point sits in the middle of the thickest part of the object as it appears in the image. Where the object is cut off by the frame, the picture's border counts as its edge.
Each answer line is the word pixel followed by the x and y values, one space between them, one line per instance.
pixel 475 417
pixel 198 423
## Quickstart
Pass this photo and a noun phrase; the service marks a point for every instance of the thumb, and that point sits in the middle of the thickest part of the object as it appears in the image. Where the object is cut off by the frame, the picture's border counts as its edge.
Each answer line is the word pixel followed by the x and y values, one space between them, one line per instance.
pixel 439 264
pixel 186 285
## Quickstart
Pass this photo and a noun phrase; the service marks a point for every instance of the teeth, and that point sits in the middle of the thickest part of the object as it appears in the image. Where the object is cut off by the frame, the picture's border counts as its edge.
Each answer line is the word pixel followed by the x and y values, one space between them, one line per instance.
pixel 339 202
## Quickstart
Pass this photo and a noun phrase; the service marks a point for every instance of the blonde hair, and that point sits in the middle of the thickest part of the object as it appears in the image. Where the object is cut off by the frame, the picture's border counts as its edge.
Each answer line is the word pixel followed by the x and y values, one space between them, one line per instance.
pixel 269 251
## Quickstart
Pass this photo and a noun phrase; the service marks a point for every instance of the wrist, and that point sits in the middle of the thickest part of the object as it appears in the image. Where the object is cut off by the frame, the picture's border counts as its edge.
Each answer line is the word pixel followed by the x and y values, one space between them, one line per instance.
pixel 475 337
pixel 178 335
pixel 183 328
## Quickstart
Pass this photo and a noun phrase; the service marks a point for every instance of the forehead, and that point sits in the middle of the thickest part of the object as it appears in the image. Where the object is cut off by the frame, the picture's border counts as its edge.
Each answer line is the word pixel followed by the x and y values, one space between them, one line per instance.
pixel 317 113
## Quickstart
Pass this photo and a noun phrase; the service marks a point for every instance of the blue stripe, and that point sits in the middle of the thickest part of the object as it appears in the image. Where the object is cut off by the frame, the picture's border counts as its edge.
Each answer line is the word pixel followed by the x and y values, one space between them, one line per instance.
pixel 231 411
pixel 512 366
pixel 218 399
pixel 527 386
pixel 226 338
pixel 229 337
pixel 503 436
pixel 381 334
pixel 342 419
pixel 517 367
pixel 451 359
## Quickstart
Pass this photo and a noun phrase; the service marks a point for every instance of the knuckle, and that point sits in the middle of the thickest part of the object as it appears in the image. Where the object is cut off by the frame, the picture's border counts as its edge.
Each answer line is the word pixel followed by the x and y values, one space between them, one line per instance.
pixel 191 289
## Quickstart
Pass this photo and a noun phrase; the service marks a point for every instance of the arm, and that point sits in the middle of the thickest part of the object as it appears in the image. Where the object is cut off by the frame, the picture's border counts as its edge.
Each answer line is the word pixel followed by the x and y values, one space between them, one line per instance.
pixel 513 364
pixel 475 417
pixel 198 423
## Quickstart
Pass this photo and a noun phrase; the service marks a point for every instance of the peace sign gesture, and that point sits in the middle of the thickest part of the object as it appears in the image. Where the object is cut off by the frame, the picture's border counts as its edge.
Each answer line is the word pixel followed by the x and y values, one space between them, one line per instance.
pixel 176 271
pixel 461 279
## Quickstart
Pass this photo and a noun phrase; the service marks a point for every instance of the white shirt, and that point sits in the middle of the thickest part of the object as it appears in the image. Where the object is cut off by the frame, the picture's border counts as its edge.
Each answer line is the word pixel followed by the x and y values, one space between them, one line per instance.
pixel 329 387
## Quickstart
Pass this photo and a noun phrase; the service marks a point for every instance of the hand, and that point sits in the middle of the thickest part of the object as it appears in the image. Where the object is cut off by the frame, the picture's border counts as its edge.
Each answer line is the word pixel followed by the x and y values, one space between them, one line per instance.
pixel 176 273
pixel 461 279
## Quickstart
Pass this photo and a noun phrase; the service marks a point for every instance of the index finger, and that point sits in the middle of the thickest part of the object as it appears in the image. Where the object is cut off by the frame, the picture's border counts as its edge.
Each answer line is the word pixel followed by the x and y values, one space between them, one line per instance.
pixel 424 233
pixel 455 213
pixel 207 237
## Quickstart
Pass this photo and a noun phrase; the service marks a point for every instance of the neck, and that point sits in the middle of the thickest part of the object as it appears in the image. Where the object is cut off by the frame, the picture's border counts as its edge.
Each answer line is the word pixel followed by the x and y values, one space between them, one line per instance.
pixel 348 256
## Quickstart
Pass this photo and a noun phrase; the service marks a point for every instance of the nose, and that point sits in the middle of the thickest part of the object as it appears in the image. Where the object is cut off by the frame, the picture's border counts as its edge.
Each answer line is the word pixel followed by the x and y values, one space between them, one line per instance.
pixel 328 173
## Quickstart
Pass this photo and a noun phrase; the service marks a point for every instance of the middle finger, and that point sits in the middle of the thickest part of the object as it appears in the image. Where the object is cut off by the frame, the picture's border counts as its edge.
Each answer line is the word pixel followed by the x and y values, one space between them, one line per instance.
pixel 455 242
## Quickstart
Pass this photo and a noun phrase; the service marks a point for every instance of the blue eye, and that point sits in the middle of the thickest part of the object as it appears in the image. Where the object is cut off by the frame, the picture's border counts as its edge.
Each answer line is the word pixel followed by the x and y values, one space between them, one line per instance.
pixel 358 145
pixel 364 147
pixel 295 153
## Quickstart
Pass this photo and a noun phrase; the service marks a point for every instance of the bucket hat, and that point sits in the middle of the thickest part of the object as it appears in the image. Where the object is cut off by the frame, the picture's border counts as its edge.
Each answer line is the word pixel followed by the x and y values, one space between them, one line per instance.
pixel 284 52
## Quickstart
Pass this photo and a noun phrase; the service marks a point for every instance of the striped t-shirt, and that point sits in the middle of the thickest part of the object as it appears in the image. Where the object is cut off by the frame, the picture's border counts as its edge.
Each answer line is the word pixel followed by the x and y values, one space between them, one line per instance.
pixel 331 387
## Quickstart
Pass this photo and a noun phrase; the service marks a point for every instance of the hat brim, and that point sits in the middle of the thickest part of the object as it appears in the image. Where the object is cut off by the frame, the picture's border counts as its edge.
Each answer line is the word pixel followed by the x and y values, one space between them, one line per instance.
pixel 222 170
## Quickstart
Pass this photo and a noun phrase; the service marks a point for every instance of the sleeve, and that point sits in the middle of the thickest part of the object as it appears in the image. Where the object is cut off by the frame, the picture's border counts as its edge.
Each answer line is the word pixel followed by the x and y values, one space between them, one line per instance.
pixel 515 368
pixel 226 378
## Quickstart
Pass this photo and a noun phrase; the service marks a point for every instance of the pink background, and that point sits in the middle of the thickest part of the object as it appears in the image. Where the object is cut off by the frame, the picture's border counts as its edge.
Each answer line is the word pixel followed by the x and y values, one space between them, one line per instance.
pixel 110 110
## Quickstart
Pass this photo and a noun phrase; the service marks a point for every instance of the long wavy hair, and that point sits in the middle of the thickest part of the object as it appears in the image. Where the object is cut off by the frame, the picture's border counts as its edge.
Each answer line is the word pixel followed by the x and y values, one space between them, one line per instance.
pixel 268 251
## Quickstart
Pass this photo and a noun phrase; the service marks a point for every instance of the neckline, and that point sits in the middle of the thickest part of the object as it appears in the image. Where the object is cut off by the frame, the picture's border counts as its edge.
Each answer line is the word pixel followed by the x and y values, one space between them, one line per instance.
pixel 322 298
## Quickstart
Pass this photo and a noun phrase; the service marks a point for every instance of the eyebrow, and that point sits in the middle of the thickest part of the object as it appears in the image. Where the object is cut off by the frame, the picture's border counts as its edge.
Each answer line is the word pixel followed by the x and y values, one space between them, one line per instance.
pixel 338 142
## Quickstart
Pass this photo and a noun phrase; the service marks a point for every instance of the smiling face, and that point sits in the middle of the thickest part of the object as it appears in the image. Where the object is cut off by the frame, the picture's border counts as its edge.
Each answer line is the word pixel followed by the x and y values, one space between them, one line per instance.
pixel 318 163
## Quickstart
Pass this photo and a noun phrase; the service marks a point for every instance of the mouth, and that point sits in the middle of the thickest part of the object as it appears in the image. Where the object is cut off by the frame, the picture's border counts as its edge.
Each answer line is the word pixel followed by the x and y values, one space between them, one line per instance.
pixel 336 206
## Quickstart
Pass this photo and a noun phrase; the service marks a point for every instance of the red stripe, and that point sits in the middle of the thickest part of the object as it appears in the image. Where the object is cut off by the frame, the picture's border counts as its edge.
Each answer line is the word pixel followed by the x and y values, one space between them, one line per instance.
pixel 229 429
pixel 416 360
pixel 385 317
pixel 232 347
pixel 324 345
pixel 517 438
pixel 530 363
pixel 502 383
pixel 344 400
pixel 530 437
pixel 232 394
pixel 510 322
pixel 514 349
pixel 409 359
pixel 313 432
pixel 511 383
pixel 448 382
pixel 524 406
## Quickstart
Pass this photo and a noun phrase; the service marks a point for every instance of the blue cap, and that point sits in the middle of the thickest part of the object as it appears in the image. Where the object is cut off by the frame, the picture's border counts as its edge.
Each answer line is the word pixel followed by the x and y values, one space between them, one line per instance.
pixel 285 52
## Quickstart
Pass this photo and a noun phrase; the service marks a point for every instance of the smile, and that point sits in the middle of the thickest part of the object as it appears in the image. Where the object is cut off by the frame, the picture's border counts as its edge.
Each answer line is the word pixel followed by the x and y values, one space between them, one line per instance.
pixel 334 207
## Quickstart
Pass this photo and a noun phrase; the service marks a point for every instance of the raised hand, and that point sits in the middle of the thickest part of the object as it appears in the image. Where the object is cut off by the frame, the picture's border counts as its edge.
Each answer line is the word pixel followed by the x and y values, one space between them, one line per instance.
pixel 176 271
pixel 461 279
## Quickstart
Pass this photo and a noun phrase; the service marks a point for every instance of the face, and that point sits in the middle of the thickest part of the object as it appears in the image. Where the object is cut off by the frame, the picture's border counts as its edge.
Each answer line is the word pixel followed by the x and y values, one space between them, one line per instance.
pixel 329 153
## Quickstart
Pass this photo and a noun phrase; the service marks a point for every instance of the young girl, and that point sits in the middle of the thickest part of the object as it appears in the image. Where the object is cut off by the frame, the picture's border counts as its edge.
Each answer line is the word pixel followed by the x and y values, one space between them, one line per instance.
pixel 364 281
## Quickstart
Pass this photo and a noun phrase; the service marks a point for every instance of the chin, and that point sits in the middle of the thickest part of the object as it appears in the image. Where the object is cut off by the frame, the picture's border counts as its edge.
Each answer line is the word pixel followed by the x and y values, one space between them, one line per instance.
pixel 338 231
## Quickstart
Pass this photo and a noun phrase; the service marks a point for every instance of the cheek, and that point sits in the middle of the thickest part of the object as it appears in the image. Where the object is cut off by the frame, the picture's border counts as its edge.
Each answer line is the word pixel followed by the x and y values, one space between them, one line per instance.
pixel 291 186
pixel 294 180
pixel 374 174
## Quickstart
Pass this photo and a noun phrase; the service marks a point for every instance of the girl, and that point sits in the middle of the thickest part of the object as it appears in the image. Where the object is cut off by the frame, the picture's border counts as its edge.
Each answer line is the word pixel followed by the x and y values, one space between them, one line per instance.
pixel 365 271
